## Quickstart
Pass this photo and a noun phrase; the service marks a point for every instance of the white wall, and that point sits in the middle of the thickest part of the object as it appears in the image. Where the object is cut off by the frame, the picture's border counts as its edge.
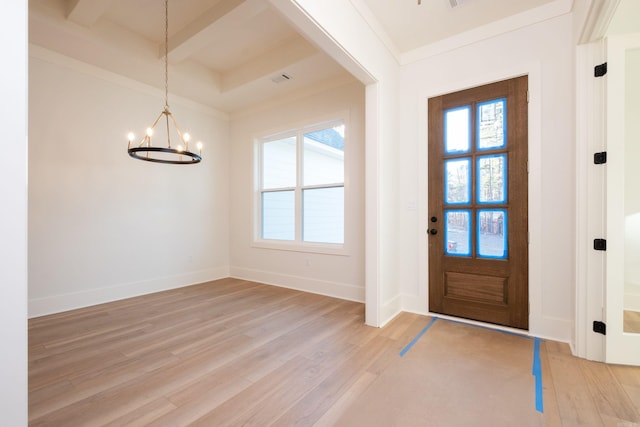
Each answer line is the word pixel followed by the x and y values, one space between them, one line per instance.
pixel 103 226
pixel 340 275
pixel 13 212
pixel 545 51
pixel 339 28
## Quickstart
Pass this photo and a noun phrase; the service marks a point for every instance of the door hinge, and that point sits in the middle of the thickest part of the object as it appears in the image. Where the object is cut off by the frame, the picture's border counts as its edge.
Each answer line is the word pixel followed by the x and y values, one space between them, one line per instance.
pixel 600 70
pixel 600 244
pixel 600 158
pixel 599 327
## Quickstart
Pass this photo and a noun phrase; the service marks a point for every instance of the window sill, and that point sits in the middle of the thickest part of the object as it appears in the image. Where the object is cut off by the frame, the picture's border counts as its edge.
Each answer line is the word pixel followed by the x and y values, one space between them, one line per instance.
pixel 318 248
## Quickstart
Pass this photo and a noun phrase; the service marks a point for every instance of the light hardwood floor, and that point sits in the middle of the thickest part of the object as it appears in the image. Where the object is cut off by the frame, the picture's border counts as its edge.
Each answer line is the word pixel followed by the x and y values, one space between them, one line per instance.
pixel 631 321
pixel 233 352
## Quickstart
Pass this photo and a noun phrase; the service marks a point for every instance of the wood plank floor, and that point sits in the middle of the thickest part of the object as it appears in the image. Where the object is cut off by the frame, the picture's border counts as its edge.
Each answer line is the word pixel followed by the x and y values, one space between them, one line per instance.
pixel 631 321
pixel 233 353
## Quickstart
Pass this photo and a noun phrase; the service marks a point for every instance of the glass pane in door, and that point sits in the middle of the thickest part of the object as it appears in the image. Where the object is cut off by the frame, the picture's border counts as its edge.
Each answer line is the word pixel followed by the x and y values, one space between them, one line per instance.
pixel 457 137
pixel 491 178
pixel 457 239
pixel 492 125
pixel 492 233
pixel 457 185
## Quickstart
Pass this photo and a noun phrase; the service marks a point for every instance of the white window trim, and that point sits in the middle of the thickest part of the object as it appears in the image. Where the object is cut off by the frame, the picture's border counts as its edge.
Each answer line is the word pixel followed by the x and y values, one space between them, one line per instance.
pixel 341 249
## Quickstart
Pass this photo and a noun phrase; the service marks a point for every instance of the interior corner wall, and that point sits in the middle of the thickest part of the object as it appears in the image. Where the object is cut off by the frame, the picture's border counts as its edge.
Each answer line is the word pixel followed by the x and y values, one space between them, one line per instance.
pixel 103 226
pixel 341 31
pixel 13 211
pixel 335 275
pixel 546 52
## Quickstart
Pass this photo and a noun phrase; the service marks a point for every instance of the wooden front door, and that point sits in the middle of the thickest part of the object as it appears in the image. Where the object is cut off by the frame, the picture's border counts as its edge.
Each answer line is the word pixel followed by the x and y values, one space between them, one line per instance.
pixel 478 228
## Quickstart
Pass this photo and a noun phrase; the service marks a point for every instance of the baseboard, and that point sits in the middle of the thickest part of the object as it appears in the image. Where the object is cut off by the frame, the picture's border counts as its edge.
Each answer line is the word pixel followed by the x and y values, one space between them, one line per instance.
pixel 390 309
pixel 70 301
pixel 332 289
pixel 415 304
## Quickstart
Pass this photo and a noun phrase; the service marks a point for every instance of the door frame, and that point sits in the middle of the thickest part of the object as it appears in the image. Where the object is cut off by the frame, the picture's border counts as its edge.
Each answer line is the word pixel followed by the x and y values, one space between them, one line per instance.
pixel 538 324
pixel 590 206
pixel 510 274
pixel 620 347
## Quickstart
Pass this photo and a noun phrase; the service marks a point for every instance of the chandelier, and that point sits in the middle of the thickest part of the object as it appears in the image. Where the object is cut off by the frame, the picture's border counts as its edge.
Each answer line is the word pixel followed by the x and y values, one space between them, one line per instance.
pixel 178 154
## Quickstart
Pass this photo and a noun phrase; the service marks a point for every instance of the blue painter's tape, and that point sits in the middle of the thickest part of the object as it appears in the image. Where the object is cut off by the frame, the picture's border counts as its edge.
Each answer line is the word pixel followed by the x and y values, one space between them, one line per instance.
pixel 415 340
pixel 537 373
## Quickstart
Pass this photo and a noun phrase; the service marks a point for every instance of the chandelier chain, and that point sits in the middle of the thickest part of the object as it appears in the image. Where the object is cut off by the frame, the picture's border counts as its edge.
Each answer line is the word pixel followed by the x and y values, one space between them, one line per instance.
pixel 166 54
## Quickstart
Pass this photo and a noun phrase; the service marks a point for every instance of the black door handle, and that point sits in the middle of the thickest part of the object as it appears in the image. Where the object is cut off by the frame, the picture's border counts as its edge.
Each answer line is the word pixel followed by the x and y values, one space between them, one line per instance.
pixel 432 231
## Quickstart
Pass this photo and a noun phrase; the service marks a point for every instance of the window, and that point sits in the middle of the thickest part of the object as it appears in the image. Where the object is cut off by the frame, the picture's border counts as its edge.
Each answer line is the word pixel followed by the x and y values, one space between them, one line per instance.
pixel 301 185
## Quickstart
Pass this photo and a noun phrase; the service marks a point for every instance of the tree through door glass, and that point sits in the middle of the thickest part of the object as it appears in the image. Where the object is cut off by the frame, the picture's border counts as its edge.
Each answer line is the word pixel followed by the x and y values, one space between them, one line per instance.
pixel 475 180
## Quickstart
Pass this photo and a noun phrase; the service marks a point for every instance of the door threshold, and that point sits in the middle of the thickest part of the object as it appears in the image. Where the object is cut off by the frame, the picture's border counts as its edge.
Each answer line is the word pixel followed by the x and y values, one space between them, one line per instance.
pixel 500 328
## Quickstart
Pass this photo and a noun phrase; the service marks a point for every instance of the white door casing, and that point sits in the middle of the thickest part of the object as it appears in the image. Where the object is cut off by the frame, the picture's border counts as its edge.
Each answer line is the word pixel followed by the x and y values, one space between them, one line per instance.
pixel 621 347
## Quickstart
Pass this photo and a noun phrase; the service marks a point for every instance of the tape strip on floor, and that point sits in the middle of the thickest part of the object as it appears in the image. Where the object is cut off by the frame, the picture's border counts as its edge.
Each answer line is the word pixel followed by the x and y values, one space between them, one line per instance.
pixel 415 340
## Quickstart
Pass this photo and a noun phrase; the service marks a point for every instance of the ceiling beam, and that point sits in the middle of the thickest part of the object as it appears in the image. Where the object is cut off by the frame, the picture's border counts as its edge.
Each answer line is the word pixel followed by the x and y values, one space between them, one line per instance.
pixel 210 25
pixel 269 63
pixel 86 12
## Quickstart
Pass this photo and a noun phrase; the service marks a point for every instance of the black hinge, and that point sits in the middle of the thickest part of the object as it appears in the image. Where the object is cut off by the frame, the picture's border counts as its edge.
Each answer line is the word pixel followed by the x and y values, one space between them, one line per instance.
pixel 600 244
pixel 599 327
pixel 600 158
pixel 600 70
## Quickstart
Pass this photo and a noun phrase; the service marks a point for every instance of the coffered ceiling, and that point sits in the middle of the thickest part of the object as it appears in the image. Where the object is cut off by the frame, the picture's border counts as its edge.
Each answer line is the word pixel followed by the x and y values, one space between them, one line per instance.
pixel 232 54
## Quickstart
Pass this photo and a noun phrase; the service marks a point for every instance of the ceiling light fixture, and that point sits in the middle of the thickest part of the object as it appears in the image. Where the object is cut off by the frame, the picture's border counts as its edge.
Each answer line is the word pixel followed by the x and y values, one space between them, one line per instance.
pixel 180 154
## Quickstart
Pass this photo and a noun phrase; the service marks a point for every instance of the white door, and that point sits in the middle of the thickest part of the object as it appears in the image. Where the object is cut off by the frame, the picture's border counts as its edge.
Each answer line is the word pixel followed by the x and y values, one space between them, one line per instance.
pixel 623 200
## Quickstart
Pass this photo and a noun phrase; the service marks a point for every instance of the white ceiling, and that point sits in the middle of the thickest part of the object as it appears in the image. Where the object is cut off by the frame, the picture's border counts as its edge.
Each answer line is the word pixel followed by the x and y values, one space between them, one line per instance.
pixel 411 25
pixel 225 53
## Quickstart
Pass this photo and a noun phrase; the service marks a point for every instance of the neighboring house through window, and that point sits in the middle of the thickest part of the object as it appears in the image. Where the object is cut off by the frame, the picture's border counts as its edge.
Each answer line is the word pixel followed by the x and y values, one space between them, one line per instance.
pixel 301 185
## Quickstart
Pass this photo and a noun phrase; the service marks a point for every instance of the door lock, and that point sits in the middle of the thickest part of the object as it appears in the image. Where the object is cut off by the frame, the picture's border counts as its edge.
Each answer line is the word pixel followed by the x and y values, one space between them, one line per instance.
pixel 432 231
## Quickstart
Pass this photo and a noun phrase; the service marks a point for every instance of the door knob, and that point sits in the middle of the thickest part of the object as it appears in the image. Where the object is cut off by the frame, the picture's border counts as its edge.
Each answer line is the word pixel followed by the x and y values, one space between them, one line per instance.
pixel 432 231
pixel 434 219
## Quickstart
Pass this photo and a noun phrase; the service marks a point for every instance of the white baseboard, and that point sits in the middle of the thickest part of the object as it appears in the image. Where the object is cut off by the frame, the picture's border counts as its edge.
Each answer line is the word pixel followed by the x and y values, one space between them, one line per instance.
pixel 415 304
pixel 390 309
pixel 338 290
pixel 71 301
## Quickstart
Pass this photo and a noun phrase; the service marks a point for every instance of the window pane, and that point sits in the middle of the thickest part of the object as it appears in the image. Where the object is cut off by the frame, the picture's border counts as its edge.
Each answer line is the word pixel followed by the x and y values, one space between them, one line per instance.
pixel 278 215
pixel 279 163
pixel 491 125
pixel 457 238
pixel 492 182
pixel 324 156
pixel 492 233
pixel 323 215
pixel 457 188
pixel 456 130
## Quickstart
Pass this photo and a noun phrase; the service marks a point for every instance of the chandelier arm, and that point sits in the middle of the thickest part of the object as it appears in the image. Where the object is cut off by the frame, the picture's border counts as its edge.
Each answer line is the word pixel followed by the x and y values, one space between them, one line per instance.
pixel 167 114
pixel 175 124
pixel 153 126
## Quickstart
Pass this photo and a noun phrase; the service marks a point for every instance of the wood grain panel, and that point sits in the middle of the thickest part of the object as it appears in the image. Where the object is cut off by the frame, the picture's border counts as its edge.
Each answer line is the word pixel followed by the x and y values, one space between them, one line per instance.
pixel 473 287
